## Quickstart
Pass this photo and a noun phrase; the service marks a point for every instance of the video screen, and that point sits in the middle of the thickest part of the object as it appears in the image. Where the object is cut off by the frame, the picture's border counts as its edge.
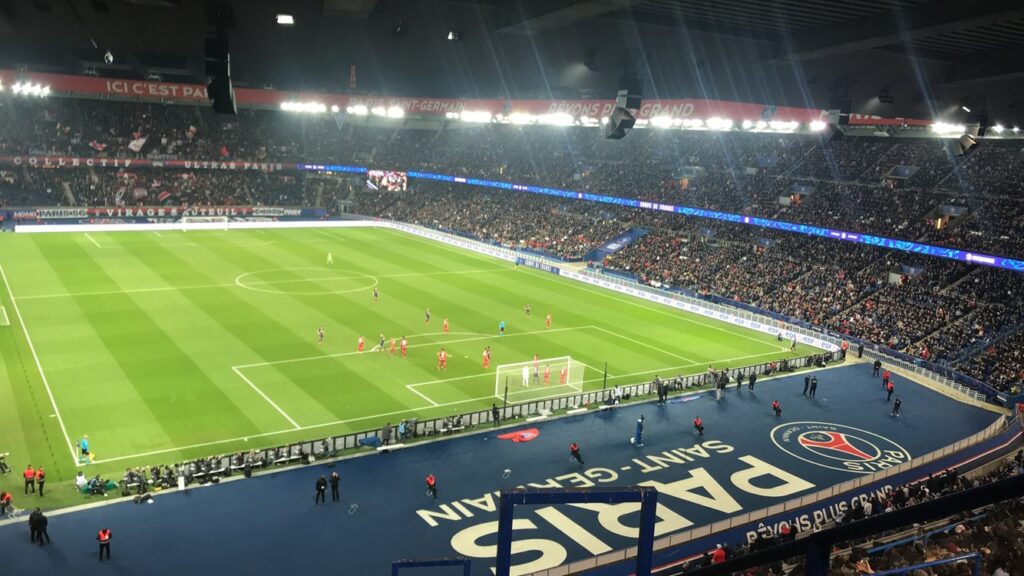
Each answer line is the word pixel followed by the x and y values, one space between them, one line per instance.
pixel 387 180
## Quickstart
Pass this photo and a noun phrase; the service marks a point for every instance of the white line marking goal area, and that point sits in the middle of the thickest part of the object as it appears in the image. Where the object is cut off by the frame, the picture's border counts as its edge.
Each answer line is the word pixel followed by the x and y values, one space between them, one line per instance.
pixel 4 320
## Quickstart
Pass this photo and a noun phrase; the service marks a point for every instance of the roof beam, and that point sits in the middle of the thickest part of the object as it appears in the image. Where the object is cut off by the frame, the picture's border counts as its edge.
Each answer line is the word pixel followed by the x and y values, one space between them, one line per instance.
pixel 548 15
pixel 998 64
pixel 886 29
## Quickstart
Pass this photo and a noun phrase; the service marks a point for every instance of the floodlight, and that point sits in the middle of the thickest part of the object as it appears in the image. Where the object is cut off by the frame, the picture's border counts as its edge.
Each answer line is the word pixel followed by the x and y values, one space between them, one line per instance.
pixel 285 19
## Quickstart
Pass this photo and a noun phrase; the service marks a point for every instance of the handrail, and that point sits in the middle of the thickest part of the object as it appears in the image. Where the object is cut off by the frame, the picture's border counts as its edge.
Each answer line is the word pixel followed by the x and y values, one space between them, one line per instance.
pixel 961 558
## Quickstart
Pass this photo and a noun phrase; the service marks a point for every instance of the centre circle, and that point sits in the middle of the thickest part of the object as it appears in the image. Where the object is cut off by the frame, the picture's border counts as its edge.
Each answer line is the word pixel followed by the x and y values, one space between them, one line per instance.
pixel 305 281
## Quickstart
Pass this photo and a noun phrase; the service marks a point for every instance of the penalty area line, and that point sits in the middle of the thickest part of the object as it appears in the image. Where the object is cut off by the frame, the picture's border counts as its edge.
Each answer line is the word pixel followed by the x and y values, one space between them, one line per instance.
pixel 442 342
pixel 410 388
pixel 640 342
pixel 93 240
pixel 294 424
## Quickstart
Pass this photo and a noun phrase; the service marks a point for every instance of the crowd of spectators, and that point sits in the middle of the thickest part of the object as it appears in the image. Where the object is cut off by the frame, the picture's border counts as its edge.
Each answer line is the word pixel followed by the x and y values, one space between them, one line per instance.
pixel 854 184
pixel 997 532
pixel 564 228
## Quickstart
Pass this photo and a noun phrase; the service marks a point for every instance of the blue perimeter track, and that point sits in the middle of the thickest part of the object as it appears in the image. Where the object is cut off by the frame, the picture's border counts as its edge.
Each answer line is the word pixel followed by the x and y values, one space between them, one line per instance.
pixel 269 524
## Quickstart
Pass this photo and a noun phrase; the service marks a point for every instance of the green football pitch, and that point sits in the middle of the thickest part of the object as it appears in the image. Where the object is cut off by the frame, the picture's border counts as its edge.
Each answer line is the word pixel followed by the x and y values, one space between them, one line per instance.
pixel 167 345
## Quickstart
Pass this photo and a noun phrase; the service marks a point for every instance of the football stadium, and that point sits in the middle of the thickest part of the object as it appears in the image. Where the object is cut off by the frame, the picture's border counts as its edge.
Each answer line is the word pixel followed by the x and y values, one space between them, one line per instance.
pixel 605 288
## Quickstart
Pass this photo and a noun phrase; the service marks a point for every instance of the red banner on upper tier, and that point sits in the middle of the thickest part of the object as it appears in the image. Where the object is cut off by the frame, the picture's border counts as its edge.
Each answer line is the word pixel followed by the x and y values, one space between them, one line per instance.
pixel 76 162
pixel 678 108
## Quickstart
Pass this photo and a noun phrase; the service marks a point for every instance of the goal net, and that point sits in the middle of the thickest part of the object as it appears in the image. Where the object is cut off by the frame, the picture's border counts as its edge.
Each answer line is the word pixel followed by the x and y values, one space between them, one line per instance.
pixel 542 374
pixel 204 222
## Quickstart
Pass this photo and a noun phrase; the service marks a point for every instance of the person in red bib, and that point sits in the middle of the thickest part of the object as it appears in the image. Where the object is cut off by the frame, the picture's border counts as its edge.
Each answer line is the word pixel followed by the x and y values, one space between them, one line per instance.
pixel 777 408
pixel 487 358
pixel 360 345
pixel 405 346
pixel 442 360
pixel 698 425
pixel 562 375
pixel 391 350
pixel 890 388
pixel 432 486
pixel 547 375
pixel 103 537
pixel 444 325
pixel 30 479
pixel 547 320
pixel 574 451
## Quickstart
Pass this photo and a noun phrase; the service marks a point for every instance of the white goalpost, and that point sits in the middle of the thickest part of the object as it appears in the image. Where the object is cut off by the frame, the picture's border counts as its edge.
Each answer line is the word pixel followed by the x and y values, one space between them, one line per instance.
pixel 521 377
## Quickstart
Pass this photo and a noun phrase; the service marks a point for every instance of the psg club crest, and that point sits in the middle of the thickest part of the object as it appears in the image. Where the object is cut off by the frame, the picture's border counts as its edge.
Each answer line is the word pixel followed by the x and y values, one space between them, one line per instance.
pixel 838 447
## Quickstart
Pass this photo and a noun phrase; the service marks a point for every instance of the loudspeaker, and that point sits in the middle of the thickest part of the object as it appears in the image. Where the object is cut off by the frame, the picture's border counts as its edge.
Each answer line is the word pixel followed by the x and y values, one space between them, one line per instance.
pixel 629 94
pixel 620 121
pixel 628 98
pixel 965 144
pixel 218 70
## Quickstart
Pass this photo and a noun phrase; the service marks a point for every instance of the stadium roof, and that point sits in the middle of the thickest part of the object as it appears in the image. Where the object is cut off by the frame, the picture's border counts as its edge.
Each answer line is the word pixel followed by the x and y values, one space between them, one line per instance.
pixel 928 56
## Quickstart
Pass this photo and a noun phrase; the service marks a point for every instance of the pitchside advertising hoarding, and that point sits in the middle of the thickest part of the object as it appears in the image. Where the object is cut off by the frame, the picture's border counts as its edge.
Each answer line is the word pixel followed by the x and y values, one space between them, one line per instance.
pixel 171 212
pixel 196 94
pixel 43 161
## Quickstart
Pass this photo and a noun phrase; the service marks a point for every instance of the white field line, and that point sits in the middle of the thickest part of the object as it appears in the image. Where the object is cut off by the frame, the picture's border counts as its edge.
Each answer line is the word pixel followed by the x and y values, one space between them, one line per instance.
pixel 377 348
pixel 685 316
pixel 396 412
pixel 235 285
pixel 267 398
pixel 93 240
pixel 595 369
pixel 39 366
pixel 343 354
pixel 158 234
pixel 420 394
pixel 4 320
pixel 635 341
pixel 323 232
